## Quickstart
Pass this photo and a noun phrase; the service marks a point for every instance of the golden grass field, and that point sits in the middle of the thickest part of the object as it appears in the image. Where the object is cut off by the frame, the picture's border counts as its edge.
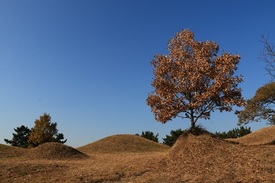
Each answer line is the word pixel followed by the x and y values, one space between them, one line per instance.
pixel 129 158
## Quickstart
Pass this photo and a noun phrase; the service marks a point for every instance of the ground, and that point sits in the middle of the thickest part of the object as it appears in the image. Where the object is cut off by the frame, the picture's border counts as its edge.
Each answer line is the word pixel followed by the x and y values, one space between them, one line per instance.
pixel 128 158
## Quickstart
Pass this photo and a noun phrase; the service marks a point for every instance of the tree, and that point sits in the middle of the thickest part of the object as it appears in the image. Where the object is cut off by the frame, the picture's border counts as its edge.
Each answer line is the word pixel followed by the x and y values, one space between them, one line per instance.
pixel 44 131
pixel 235 133
pixel 268 56
pixel 191 80
pixel 261 106
pixel 150 135
pixel 172 138
pixel 20 138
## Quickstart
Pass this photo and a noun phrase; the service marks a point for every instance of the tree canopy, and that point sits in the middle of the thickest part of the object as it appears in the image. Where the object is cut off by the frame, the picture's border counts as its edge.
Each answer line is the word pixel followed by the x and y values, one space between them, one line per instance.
pixel 192 81
pixel 20 138
pixel 261 106
pixel 45 131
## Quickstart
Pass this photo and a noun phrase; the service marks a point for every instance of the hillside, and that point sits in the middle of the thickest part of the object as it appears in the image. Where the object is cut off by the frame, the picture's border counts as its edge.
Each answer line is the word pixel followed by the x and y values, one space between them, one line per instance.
pixel 7 151
pixel 129 158
pixel 55 151
pixel 206 158
pixel 261 136
pixel 50 150
pixel 123 143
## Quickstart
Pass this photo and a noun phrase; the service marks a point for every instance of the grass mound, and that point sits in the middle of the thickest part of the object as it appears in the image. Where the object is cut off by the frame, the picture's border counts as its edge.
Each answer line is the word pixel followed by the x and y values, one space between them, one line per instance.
pixel 200 157
pixel 259 137
pixel 192 159
pixel 206 158
pixel 123 143
pixel 197 130
pixel 11 151
pixel 54 150
pixel 192 146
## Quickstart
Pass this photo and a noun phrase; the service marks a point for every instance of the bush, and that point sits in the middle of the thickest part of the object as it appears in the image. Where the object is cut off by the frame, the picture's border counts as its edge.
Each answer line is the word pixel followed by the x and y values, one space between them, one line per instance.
pixel 172 138
pixel 235 133
pixel 149 135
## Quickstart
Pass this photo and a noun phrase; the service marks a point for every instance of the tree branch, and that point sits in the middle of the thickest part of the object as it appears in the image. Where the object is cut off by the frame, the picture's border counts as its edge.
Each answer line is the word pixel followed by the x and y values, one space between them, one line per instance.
pixel 268 56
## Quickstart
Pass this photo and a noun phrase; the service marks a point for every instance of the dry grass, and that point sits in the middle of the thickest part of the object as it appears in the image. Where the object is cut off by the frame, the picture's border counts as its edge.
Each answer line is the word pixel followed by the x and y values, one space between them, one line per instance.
pixel 123 143
pixel 205 158
pixel 191 159
pixel 54 150
pixel 259 137
pixel 10 152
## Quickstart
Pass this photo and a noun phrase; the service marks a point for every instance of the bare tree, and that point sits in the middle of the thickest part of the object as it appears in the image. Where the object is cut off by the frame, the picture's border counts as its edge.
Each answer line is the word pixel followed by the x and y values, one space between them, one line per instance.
pixel 268 56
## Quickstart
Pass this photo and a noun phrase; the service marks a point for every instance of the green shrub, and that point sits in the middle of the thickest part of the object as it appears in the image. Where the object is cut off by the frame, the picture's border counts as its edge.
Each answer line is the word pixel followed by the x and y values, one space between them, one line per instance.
pixel 235 133
pixel 149 135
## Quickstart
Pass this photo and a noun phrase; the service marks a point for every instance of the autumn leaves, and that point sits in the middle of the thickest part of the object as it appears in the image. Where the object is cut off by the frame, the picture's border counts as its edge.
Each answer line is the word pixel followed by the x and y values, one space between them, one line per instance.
pixel 194 81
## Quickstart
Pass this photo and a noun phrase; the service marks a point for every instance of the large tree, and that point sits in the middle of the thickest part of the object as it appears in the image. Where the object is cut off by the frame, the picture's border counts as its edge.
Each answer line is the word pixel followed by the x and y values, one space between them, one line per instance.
pixel 20 137
pixel 192 80
pixel 44 131
pixel 261 106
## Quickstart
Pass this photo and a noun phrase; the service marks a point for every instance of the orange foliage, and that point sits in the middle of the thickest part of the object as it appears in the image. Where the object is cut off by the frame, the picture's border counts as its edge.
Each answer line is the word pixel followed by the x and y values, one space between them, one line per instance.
pixel 193 80
pixel 44 131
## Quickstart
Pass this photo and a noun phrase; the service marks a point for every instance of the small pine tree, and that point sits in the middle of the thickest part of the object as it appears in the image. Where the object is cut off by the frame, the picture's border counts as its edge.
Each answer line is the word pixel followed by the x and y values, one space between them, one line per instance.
pixel 20 138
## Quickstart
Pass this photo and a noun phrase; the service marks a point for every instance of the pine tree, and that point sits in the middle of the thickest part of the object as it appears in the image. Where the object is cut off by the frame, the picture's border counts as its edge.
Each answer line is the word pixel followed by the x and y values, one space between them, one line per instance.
pixel 44 131
pixel 20 138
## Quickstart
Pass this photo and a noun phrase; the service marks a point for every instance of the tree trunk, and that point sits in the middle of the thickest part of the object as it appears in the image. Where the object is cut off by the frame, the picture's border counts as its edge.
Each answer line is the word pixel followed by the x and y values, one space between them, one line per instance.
pixel 192 120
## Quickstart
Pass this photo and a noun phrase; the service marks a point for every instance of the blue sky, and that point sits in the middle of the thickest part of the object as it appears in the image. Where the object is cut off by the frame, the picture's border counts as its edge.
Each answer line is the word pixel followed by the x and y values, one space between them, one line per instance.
pixel 87 63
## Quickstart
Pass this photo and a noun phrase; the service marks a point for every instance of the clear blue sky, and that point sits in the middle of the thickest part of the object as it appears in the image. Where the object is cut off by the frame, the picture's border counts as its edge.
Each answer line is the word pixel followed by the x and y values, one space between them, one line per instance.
pixel 87 63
